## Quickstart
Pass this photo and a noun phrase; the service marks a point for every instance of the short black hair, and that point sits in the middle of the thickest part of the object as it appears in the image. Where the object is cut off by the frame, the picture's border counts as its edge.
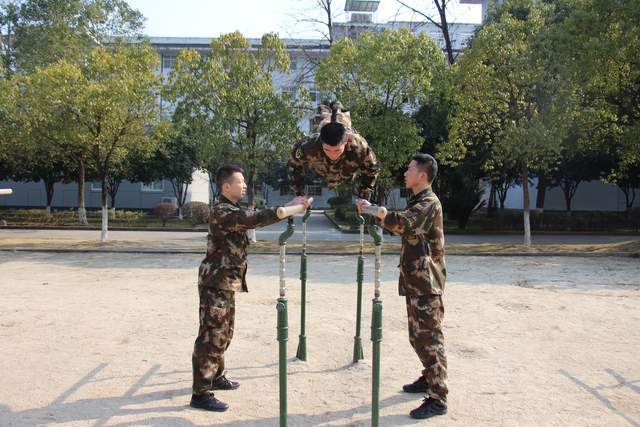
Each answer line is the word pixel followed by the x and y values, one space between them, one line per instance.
pixel 332 133
pixel 224 174
pixel 428 164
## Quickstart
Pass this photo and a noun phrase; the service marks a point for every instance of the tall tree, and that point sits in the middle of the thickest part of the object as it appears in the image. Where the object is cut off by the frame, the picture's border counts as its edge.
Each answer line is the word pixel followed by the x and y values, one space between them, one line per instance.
pixel 597 45
pixel 232 93
pixel 379 76
pixel 502 87
pixel 49 30
pixel 47 131
pixel 116 105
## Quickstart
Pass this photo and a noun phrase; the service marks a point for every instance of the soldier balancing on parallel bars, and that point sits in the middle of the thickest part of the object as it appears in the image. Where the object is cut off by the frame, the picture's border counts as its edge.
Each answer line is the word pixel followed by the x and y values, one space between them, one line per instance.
pixel 339 155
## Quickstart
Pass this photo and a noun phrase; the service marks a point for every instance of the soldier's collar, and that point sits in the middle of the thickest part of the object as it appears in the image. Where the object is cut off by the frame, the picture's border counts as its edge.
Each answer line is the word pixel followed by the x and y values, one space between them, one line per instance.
pixel 426 192
pixel 223 199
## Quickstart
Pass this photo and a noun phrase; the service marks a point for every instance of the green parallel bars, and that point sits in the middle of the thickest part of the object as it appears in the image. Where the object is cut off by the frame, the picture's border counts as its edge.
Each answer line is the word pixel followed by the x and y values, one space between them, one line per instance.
pixel 358 354
pixel 376 327
pixel 301 354
pixel 283 324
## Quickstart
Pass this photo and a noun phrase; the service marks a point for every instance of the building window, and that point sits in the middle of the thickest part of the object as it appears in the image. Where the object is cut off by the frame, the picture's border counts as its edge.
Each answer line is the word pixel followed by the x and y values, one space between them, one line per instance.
pixel 290 90
pixel 96 187
pixel 152 187
pixel 314 190
pixel 314 96
pixel 168 60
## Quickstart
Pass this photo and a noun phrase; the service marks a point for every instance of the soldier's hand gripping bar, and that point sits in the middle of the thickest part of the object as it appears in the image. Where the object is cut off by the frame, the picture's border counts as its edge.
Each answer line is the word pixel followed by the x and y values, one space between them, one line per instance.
pixel 286 211
pixel 5 191
pixel 379 211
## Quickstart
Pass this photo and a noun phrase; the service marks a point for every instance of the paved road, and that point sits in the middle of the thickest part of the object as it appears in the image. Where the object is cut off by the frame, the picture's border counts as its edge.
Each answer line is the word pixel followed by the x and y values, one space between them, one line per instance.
pixel 319 228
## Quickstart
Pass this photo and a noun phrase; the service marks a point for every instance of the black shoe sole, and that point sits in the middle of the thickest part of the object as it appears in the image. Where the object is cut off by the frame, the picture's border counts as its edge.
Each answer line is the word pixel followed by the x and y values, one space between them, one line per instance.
pixel 207 408
pixel 429 415
pixel 225 388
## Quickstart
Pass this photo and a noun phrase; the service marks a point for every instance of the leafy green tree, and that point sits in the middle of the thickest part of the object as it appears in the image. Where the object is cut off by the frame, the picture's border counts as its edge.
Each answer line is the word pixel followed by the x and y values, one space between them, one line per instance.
pixel 49 30
pixel 231 93
pixel 501 90
pixel 597 46
pixel 116 107
pixel 379 76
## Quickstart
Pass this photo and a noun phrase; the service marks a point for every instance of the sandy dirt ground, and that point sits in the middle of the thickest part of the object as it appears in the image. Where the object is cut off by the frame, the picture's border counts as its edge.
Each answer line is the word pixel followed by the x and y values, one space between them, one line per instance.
pixel 106 339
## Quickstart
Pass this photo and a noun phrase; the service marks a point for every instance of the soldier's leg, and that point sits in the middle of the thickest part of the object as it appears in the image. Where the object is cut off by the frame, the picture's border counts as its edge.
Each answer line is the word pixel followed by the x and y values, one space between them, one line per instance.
pixel 228 333
pixel 428 315
pixel 216 310
pixel 411 322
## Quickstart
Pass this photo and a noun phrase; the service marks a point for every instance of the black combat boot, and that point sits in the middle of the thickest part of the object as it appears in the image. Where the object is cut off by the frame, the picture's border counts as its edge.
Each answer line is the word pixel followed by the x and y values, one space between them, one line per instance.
pixel 418 386
pixel 224 383
pixel 208 402
pixel 430 408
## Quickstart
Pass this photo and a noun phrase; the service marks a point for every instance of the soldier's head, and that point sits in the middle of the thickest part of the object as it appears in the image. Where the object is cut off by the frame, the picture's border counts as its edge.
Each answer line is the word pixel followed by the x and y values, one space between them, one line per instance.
pixel 230 182
pixel 421 172
pixel 334 139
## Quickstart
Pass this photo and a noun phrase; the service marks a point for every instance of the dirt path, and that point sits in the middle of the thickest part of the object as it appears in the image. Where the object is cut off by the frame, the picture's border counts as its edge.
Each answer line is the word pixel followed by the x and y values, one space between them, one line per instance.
pixel 106 339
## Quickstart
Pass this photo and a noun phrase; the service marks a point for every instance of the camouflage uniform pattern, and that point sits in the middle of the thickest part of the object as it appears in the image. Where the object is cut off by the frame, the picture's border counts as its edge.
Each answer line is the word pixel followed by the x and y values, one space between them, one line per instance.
pixel 422 281
pixel 225 266
pixel 222 272
pixel 425 314
pixel 357 157
pixel 217 317
pixel 422 266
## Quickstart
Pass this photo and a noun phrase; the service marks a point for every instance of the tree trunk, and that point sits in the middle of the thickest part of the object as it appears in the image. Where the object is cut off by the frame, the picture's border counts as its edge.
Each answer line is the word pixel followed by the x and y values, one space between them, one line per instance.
pixel 82 212
pixel 542 190
pixel 104 234
pixel 629 195
pixel 48 187
pixel 525 205
pixel 491 208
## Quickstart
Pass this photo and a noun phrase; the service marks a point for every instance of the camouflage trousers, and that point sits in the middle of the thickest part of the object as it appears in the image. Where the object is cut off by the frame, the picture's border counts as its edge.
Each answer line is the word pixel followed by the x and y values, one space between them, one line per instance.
pixel 217 313
pixel 426 314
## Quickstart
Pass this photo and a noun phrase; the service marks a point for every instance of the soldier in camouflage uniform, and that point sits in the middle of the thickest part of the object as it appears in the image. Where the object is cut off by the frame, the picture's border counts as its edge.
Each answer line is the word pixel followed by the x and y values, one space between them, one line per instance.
pixel 422 279
pixel 222 273
pixel 335 152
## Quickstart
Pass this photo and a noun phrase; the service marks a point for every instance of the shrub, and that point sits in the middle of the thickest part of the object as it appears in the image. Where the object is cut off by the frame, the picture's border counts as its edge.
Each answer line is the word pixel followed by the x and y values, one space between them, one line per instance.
pixel 196 212
pixel 164 211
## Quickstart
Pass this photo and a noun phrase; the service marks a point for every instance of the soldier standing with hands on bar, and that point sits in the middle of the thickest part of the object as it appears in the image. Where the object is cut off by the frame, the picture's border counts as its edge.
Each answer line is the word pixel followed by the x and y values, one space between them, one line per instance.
pixel 422 280
pixel 222 273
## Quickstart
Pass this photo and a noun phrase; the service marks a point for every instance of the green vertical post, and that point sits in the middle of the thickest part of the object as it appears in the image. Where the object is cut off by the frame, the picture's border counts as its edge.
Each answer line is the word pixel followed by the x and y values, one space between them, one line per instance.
pixel 301 354
pixel 358 354
pixel 376 327
pixel 283 324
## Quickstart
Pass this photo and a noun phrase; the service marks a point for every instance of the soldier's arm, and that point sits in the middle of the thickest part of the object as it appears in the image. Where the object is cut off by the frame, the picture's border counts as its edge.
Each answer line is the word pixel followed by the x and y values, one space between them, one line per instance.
pixel 412 219
pixel 238 219
pixel 295 170
pixel 369 171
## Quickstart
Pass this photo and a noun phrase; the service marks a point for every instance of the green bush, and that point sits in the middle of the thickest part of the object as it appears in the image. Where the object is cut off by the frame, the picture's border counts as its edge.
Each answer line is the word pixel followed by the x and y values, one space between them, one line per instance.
pixel 196 212
pixel 164 211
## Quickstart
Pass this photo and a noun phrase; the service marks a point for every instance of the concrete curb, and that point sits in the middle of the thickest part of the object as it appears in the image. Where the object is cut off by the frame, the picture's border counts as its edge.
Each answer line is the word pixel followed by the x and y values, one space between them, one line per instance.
pixel 296 252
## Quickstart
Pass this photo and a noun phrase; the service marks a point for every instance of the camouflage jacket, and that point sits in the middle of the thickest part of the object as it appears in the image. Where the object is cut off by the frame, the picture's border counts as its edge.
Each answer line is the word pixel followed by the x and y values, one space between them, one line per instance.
pixel 357 156
pixel 225 266
pixel 422 266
